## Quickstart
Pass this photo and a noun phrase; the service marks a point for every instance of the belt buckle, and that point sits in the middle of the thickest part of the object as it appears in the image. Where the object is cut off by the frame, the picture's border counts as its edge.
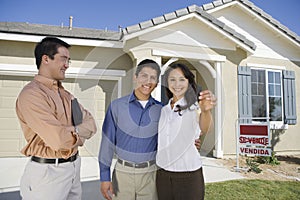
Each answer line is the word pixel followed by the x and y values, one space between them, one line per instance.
pixel 142 165
pixel 56 162
pixel 75 157
pixel 148 163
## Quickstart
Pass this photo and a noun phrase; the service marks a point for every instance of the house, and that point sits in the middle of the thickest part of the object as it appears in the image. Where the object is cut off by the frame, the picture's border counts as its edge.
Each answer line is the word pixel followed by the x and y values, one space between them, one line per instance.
pixel 247 58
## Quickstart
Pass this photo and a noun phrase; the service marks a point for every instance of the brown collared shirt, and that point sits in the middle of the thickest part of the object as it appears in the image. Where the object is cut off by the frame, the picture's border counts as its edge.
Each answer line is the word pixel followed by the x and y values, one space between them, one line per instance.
pixel 44 111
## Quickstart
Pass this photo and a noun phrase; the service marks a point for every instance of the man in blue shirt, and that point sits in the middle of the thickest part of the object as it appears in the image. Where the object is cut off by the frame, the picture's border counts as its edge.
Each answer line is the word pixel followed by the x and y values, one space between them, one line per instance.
pixel 130 132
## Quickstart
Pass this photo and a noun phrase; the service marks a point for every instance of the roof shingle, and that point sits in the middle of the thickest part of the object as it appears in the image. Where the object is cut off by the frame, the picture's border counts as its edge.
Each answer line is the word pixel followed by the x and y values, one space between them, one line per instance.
pixel 41 29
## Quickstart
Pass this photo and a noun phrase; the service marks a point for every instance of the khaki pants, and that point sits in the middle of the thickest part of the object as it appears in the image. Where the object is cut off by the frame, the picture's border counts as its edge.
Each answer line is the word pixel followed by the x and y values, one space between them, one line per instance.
pixel 134 184
pixel 51 182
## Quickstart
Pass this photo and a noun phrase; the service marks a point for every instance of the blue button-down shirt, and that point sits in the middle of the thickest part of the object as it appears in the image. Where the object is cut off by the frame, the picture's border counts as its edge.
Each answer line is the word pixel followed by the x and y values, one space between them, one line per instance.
pixel 130 131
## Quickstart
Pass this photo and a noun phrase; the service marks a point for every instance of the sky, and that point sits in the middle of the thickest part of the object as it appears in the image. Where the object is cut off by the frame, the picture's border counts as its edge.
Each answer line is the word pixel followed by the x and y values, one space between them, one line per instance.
pixel 109 15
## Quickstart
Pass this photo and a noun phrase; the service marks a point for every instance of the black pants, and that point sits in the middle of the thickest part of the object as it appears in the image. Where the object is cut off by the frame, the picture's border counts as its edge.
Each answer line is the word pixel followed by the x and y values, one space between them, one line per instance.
pixel 180 185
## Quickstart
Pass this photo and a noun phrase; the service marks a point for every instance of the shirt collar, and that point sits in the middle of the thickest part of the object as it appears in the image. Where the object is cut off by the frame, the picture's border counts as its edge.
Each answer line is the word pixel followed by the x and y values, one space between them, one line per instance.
pixel 50 83
pixel 182 101
pixel 133 98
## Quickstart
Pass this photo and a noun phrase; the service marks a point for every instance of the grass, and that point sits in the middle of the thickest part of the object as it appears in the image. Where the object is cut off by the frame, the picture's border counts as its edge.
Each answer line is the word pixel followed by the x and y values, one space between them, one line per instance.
pixel 253 189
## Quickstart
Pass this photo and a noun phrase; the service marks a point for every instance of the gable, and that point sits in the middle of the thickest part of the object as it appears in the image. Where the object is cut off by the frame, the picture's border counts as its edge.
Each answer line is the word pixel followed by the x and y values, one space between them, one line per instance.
pixel 190 32
pixel 270 41
pixel 239 21
pixel 193 28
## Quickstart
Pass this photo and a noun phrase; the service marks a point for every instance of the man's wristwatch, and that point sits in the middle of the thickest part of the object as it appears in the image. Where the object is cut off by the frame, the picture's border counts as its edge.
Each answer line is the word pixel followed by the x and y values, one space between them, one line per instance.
pixel 76 129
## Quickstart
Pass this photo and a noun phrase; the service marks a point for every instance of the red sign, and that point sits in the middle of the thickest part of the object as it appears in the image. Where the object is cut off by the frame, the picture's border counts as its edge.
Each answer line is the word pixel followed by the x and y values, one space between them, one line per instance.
pixel 253 139
pixel 255 130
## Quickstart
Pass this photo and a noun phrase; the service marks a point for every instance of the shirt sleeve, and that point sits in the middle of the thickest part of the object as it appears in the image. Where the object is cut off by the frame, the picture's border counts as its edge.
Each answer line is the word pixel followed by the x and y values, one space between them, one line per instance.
pixel 196 123
pixel 88 126
pixel 107 146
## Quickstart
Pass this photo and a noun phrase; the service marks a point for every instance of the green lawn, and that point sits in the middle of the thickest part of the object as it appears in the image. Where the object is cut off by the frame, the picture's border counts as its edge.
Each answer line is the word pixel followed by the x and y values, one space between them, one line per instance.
pixel 253 189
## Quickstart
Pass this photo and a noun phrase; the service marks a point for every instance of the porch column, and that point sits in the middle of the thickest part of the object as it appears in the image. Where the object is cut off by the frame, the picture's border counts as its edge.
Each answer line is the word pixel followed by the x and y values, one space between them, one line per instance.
pixel 218 151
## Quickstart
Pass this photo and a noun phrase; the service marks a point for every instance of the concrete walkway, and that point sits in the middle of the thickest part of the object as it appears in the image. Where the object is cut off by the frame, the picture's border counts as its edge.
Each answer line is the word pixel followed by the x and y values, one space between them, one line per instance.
pixel 12 169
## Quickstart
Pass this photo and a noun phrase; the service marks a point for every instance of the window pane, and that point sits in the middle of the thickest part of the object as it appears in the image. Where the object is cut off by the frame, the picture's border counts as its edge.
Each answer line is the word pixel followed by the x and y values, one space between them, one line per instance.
pixel 259 107
pixel 261 76
pixel 254 75
pixel 271 90
pixel 254 89
pixel 278 90
pixel 275 109
pixel 277 77
pixel 270 77
pixel 262 89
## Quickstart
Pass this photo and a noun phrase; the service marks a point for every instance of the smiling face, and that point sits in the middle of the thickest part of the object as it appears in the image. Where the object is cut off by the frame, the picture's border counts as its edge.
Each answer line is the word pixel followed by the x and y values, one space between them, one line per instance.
pixel 177 84
pixel 55 68
pixel 146 81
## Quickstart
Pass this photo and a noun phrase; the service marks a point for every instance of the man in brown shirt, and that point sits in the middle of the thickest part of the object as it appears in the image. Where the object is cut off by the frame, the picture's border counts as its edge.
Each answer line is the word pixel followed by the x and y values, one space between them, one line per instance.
pixel 44 111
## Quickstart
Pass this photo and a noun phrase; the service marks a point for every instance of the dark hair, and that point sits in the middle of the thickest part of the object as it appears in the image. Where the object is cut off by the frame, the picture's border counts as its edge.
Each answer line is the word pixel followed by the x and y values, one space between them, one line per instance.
pixel 148 63
pixel 48 46
pixel 191 95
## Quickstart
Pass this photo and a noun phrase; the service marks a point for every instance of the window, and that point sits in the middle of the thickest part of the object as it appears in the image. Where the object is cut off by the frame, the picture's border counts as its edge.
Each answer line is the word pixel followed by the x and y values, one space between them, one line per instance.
pixel 266 95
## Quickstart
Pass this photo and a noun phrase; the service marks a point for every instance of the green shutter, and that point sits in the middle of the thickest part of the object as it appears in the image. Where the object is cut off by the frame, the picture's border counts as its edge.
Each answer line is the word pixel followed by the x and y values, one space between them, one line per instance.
pixel 289 97
pixel 244 94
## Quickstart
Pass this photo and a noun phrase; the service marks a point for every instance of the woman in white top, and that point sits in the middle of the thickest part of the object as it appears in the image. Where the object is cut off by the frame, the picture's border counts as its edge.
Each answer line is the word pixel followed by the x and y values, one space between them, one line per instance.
pixel 182 120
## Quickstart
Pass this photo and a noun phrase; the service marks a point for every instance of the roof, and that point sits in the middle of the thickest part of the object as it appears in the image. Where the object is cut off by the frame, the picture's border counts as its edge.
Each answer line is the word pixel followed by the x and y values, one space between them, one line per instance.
pixel 201 10
pixel 42 29
pixel 270 19
pixel 83 33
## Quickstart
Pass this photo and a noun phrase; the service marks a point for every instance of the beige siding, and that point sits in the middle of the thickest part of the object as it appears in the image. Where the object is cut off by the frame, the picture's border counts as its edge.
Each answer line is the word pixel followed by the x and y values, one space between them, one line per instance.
pixel 11 138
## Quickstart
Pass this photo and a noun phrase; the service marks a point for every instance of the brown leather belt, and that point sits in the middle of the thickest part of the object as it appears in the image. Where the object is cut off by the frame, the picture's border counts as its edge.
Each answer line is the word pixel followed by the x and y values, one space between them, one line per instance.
pixel 54 160
pixel 136 165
